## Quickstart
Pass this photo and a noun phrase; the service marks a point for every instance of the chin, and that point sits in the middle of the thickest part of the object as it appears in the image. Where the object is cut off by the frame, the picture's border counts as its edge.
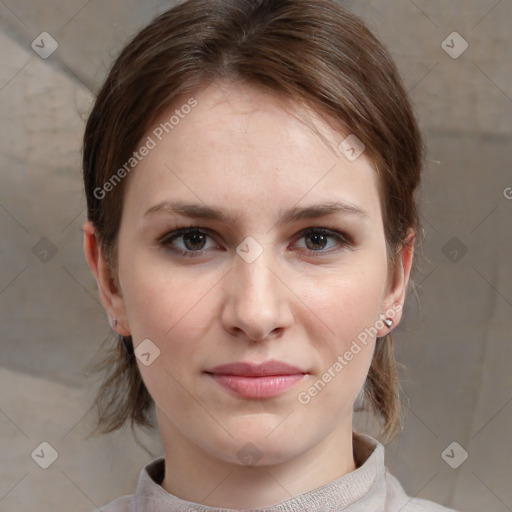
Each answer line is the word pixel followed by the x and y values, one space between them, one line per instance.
pixel 258 445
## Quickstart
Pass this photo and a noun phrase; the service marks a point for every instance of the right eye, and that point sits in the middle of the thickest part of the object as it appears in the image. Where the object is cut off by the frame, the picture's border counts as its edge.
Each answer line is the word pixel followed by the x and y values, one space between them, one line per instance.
pixel 189 242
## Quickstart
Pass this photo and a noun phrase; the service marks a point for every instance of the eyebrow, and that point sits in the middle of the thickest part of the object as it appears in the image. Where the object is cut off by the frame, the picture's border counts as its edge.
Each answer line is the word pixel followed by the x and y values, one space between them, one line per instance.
pixel 201 211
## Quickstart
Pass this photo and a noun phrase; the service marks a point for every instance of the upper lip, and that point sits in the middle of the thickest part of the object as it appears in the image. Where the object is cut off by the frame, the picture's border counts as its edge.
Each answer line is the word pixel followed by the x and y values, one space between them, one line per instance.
pixel 247 369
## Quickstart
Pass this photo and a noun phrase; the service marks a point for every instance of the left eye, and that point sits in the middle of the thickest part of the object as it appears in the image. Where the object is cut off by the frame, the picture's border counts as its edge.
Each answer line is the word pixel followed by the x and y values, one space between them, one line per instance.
pixel 317 239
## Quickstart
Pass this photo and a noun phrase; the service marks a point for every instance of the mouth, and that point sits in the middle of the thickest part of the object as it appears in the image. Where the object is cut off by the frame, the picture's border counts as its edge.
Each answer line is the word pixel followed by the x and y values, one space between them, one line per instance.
pixel 257 381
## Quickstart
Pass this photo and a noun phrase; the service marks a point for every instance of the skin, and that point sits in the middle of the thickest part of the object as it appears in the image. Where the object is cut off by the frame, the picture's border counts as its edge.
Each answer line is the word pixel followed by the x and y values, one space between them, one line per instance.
pixel 302 301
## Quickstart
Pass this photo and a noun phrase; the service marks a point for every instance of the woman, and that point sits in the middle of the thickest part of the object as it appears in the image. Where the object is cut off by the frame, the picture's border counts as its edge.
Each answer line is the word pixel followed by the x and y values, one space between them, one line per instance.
pixel 250 168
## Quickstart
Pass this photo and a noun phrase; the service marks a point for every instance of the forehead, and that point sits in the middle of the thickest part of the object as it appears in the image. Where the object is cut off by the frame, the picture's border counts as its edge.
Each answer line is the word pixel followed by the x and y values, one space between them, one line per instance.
pixel 239 146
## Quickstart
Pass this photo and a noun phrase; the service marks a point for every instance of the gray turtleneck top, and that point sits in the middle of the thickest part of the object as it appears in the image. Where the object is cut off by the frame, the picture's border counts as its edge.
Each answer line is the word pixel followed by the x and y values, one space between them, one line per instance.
pixel 369 488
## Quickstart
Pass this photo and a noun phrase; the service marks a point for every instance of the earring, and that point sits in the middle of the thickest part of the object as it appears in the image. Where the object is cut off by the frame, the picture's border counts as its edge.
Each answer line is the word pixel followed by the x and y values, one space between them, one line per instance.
pixel 388 322
pixel 115 322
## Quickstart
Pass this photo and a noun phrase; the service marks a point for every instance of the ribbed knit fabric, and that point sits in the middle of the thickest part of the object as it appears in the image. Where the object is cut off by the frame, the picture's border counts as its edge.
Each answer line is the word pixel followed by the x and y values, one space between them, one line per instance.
pixel 369 488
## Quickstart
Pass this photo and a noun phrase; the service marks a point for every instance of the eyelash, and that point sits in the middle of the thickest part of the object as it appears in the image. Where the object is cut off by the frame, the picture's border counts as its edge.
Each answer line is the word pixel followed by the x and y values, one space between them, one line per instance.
pixel 168 238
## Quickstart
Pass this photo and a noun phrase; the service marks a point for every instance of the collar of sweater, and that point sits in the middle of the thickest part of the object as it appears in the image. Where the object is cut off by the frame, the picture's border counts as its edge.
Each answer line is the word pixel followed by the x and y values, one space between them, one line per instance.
pixel 367 481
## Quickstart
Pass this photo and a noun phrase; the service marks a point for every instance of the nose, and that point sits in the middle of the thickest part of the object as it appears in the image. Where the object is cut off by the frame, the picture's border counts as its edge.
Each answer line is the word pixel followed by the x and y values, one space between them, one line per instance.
pixel 257 303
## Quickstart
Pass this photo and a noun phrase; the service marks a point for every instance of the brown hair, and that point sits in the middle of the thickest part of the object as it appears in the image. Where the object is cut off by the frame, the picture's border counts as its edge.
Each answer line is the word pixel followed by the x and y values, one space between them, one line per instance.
pixel 308 51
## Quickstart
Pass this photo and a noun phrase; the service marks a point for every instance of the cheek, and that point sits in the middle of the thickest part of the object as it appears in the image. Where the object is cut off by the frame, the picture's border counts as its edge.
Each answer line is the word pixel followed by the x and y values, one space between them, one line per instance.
pixel 171 307
pixel 345 302
pixel 341 313
pixel 175 316
pixel 176 310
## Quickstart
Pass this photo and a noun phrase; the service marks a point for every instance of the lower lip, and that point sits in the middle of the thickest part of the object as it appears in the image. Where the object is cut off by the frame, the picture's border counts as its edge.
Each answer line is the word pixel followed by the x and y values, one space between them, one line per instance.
pixel 258 387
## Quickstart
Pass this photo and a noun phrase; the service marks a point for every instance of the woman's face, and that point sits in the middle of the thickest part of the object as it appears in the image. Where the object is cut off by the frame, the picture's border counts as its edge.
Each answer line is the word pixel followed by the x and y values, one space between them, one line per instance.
pixel 286 261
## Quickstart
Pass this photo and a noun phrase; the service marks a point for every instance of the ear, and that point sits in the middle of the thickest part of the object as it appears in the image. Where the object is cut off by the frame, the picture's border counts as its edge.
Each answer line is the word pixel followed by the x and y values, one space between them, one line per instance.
pixel 110 297
pixel 394 299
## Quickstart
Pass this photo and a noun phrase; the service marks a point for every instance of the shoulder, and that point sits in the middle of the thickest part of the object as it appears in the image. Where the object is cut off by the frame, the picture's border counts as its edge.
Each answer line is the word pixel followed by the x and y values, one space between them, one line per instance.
pixel 397 499
pixel 148 489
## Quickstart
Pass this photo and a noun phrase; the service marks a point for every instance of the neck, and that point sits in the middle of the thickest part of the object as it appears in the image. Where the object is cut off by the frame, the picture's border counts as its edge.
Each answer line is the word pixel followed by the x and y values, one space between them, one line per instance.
pixel 192 474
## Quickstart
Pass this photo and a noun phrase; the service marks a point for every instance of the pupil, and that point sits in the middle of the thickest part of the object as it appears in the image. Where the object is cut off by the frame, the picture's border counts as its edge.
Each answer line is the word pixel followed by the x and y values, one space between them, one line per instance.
pixel 317 239
pixel 195 240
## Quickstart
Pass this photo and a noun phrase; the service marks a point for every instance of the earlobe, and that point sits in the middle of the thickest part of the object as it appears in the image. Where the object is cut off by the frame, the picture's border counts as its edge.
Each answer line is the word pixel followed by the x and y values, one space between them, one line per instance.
pixel 395 298
pixel 111 299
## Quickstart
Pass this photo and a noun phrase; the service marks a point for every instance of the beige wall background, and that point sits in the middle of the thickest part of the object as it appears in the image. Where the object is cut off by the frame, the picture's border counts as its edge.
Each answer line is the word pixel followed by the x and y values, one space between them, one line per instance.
pixel 455 343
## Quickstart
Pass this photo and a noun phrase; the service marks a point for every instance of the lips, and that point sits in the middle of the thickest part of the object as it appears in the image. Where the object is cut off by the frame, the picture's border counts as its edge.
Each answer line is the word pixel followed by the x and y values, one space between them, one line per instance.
pixel 257 381
pixel 269 368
